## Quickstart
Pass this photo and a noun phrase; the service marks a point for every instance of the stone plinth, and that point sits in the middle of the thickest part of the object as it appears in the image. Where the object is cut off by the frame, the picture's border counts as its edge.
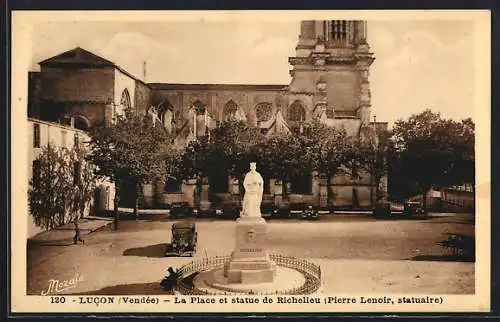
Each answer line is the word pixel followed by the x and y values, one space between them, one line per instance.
pixel 250 262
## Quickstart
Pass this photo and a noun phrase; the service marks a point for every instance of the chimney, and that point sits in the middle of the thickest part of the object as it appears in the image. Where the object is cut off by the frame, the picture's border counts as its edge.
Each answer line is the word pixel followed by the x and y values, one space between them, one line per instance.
pixel 144 71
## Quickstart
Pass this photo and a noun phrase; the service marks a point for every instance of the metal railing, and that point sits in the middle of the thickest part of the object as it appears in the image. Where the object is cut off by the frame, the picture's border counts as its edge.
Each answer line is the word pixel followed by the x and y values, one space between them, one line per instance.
pixel 310 271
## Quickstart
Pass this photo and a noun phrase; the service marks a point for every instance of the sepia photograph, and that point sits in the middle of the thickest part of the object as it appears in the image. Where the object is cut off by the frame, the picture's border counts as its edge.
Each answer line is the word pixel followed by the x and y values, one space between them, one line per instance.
pixel 252 161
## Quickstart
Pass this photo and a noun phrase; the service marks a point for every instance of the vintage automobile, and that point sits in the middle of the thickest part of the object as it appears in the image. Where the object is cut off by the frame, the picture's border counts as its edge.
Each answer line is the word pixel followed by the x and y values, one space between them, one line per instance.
pixel 226 211
pixel 181 210
pixel 269 211
pixel 389 209
pixel 184 239
pixel 309 212
pixel 302 211
pixel 413 209
pixel 217 210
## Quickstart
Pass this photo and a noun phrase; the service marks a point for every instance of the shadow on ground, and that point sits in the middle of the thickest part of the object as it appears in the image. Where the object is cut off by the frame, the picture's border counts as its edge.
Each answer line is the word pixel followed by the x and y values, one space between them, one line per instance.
pixel 404 218
pixel 156 251
pixel 129 289
pixel 443 258
pixel 69 242
pixel 137 289
pixel 460 221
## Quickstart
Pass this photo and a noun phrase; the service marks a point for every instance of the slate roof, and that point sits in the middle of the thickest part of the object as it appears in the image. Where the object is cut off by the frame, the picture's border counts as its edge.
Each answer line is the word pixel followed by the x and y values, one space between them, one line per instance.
pixel 234 87
pixel 77 56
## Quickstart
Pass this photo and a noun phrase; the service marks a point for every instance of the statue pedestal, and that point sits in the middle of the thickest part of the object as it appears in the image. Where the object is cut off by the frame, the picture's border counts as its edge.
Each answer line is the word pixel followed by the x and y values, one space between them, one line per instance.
pixel 250 262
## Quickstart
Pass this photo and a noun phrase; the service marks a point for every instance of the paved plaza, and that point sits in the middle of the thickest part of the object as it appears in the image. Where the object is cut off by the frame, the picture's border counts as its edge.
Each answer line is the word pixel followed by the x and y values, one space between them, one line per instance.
pixel 356 253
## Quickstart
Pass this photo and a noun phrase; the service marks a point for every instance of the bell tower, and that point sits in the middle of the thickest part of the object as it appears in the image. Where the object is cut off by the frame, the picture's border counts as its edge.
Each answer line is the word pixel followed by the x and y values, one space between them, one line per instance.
pixel 330 70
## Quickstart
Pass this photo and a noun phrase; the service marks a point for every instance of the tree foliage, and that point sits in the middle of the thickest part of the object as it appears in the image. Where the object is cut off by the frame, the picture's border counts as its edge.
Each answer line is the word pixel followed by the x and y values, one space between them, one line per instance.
pixel 419 152
pixel 232 145
pixel 375 155
pixel 331 151
pixel 226 151
pixel 278 156
pixel 133 149
pixel 63 188
pixel 84 180
pixel 316 147
pixel 433 151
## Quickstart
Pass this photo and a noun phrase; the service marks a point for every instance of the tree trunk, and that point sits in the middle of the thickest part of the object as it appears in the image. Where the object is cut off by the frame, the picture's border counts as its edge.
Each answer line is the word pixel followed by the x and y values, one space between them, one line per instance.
pixel 136 203
pixel 115 205
pixel 199 182
pixel 329 191
pixel 284 188
pixel 82 210
pixel 378 193
pixel 241 188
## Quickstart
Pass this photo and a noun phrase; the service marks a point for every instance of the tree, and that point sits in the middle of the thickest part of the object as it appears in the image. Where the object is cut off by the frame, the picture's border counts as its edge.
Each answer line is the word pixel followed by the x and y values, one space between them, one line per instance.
pixel 224 152
pixel 374 156
pixel 435 151
pixel 332 151
pixel 284 156
pixel 133 148
pixel 195 162
pixel 84 180
pixel 232 144
pixel 274 155
pixel 48 195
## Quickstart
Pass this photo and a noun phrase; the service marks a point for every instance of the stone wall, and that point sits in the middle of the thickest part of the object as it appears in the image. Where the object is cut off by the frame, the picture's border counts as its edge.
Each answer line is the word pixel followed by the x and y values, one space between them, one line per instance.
pixel 77 84
pixel 123 82
pixel 142 96
pixel 34 94
pixel 342 88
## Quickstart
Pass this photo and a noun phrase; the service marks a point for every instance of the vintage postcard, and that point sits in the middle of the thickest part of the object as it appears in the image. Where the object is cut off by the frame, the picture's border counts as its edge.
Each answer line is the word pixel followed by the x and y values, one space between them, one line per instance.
pixel 250 161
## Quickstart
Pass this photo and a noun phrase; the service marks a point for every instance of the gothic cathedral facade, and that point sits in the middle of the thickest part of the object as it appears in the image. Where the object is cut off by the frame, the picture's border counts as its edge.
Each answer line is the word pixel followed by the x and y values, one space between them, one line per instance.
pixel 329 82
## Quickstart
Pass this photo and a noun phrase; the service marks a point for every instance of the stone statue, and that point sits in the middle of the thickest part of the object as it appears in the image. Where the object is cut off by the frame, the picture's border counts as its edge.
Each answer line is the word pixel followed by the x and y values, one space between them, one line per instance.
pixel 254 187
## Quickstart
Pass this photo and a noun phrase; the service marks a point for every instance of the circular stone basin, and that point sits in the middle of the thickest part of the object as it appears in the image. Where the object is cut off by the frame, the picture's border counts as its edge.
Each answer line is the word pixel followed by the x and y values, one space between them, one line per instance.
pixel 285 279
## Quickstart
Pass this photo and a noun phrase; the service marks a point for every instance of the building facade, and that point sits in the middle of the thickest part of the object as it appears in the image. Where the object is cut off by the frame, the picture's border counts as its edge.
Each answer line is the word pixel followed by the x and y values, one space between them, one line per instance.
pixel 329 82
pixel 41 133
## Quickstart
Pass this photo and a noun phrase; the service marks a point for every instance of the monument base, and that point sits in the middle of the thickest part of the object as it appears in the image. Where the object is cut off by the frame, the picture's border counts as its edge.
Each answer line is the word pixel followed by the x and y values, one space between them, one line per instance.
pixel 250 262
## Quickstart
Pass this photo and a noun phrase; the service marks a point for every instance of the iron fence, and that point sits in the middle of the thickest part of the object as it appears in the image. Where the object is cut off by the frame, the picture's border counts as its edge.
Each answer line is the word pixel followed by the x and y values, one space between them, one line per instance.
pixel 310 271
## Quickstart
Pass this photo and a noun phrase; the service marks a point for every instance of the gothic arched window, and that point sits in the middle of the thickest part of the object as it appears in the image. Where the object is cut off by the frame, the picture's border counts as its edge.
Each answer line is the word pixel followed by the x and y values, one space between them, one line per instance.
pixel 163 107
pixel 199 107
pixel 230 110
pixel 81 123
pixel 297 112
pixel 263 112
pixel 125 100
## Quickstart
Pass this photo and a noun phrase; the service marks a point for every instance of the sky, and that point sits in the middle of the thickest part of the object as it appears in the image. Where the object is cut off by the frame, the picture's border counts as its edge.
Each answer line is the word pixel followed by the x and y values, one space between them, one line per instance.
pixel 418 64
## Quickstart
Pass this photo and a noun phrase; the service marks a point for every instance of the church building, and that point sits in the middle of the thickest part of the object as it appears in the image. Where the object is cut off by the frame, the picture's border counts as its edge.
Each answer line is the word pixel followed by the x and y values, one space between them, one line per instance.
pixel 329 82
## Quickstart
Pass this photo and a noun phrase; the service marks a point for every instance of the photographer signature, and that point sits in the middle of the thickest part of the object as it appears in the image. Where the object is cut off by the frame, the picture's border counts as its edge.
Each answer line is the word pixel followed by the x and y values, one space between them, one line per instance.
pixel 57 286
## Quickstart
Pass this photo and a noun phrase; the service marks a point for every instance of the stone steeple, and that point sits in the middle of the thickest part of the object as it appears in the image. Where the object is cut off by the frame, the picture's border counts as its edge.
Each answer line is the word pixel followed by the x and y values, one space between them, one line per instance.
pixel 331 69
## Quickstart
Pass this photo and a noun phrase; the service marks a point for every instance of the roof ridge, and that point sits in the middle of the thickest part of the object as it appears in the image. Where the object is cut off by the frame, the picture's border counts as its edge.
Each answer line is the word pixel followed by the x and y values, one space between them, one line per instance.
pixel 78 51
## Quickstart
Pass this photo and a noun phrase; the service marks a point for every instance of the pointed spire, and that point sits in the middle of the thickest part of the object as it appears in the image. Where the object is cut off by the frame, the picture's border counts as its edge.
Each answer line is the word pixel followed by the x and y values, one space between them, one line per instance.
pixel 281 125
